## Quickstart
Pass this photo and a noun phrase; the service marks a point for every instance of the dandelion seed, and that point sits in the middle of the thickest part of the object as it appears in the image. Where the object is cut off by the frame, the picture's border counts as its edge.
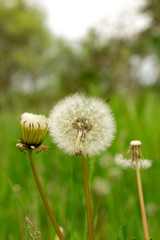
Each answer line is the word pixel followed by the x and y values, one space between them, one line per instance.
pixel 129 163
pixel 81 124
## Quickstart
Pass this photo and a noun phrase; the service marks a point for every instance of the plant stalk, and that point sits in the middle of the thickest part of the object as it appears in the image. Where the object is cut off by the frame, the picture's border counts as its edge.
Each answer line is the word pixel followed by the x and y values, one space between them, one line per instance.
pixel 50 214
pixel 87 195
pixel 141 200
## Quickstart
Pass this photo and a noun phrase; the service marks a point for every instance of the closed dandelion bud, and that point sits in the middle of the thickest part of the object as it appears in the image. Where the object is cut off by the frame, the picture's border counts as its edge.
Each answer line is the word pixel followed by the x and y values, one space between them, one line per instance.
pixel 81 124
pixel 33 128
pixel 33 131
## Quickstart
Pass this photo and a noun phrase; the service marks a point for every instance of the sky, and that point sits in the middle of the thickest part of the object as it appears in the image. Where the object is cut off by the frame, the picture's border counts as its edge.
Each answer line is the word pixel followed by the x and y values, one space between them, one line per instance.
pixel 71 19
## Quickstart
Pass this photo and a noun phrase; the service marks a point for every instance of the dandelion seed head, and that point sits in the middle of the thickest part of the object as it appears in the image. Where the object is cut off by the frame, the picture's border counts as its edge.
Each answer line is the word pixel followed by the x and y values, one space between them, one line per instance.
pixel 129 163
pixel 101 186
pixel 151 208
pixel 17 188
pixel 106 160
pixel 115 173
pixel 82 124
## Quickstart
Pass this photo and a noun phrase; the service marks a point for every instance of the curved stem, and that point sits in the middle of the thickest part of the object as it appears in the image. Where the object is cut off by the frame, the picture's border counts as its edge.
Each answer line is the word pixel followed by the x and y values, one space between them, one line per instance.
pixel 141 200
pixel 50 214
pixel 87 195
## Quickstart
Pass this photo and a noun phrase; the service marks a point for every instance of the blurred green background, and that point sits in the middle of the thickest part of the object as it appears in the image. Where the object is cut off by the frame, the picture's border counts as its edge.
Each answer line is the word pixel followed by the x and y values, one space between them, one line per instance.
pixel 36 70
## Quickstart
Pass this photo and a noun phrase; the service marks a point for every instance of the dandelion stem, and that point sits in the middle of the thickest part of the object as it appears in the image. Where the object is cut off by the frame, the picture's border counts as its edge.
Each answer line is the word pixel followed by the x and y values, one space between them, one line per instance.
pixel 87 195
pixel 50 214
pixel 141 200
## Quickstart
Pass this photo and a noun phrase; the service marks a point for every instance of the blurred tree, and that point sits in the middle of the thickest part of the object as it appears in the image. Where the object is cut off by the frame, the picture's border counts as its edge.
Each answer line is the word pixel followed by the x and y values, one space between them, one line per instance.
pixel 106 62
pixel 99 65
pixel 148 41
pixel 24 42
pixel 95 65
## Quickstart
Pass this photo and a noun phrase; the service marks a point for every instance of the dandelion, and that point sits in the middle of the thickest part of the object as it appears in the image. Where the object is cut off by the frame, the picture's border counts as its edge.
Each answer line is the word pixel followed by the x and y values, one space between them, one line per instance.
pixel 106 160
pixel 137 163
pixel 151 208
pixel 33 130
pixel 115 173
pixel 83 126
pixel 101 186
pixel 17 188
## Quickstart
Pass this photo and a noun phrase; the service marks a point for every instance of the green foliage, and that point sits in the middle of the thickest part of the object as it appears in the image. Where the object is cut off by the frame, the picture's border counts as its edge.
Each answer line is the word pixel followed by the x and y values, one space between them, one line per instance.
pixel 148 41
pixel 101 67
pixel 24 42
pixel 121 233
pixel 96 66
pixel 137 117
pixel 32 233
pixel 31 57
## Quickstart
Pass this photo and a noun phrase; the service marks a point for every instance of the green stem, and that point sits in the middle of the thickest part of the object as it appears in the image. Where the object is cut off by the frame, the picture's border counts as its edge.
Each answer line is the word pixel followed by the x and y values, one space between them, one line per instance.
pixel 87 195
pixel 91 170
pixel 50 214
pixel 141 200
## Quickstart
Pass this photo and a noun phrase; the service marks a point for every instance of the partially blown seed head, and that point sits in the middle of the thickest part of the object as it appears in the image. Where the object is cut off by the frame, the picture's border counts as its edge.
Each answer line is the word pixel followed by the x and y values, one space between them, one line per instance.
pixel 82 124
pixel 129 163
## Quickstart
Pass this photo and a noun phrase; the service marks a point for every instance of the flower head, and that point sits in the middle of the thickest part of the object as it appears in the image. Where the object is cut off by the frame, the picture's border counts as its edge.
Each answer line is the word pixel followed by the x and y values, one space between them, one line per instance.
pixel 82 124
pixel 33 130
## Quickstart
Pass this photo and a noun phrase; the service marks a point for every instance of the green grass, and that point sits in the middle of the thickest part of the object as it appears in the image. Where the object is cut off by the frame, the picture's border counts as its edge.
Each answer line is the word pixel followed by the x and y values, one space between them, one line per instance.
pixel 117 214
